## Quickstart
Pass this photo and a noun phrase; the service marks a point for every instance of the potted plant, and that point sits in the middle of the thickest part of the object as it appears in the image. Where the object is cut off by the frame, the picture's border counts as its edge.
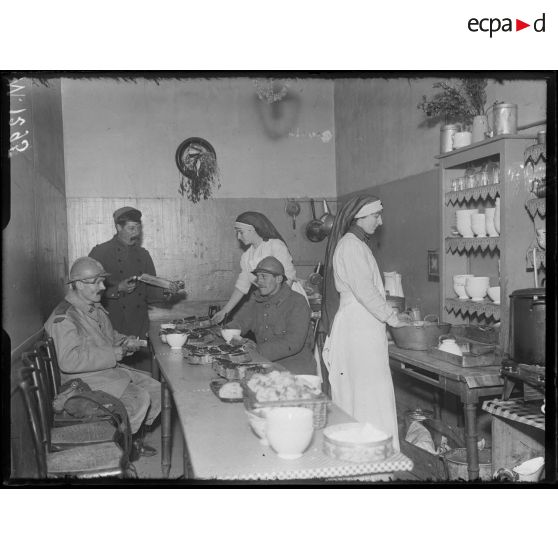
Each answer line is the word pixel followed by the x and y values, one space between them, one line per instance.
pixel 462 102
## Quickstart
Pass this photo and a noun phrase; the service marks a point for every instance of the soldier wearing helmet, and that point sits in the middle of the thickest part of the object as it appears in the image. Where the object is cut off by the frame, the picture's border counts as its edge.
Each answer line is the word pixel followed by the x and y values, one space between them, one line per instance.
pixel 88 347
pixel 279 319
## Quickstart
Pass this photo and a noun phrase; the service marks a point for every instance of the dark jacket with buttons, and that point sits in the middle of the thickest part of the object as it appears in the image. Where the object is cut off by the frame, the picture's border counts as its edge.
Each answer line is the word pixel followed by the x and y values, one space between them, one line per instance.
pixel 281 326
pixel 128 312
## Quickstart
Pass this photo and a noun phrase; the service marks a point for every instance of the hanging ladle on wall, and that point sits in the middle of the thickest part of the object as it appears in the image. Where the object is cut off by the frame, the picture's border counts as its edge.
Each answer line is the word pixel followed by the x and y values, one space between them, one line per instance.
pixel 292 209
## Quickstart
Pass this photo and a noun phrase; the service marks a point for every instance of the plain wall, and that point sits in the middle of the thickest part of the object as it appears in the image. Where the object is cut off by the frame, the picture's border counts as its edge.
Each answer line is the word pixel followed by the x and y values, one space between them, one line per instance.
pixel 35 250
pixel 120 140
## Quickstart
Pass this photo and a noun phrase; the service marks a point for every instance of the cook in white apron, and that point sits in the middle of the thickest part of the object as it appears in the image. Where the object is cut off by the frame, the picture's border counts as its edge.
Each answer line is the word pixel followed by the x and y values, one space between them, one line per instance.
pixel 356 349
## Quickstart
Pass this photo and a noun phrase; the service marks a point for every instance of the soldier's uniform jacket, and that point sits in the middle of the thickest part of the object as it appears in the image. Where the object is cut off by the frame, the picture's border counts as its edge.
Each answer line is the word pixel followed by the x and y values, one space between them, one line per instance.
pixel 128 312
pixel 84 338
pixel 281 326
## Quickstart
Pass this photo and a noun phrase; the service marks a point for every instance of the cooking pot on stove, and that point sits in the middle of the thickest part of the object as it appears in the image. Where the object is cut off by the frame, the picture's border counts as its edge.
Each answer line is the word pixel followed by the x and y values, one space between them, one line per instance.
pixel 528 326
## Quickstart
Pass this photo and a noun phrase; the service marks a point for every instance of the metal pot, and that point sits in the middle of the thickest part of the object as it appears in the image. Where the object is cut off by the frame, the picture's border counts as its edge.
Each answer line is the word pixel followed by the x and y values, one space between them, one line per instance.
pixel 314 231
pixel 396 302
pixel 528 326
pixel 327 220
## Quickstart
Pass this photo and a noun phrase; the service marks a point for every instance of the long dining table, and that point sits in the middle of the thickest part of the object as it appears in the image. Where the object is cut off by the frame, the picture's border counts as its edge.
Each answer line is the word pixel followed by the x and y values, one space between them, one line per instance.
pixel 219 443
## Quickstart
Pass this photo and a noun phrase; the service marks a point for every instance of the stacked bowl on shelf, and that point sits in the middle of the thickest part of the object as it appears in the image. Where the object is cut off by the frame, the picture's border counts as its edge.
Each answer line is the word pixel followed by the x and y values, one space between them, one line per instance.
pixel 472 223
pixel 475 288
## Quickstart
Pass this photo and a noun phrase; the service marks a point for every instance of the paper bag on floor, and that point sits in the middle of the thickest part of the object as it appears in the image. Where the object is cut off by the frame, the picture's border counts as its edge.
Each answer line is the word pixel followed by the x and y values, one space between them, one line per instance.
pixel 419 436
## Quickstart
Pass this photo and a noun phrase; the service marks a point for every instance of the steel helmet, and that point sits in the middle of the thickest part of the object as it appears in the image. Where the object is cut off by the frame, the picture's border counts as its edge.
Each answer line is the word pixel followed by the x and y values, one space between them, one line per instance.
pixel 86 268
pixel 270 265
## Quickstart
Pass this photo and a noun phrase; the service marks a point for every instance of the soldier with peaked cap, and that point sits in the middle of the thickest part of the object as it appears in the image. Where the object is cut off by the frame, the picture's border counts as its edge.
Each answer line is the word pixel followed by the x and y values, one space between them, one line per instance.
pixel 123 257
pixel 88 347
pixel 279 319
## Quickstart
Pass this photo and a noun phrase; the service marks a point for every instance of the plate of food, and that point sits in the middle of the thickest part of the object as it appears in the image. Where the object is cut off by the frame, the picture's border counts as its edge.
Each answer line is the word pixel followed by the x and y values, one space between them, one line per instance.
pixel 238 371
pixel 227 391
pixel 205 355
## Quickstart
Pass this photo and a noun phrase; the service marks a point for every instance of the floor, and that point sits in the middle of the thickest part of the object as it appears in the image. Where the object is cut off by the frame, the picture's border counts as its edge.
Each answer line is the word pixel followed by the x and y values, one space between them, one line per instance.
pixel 150 467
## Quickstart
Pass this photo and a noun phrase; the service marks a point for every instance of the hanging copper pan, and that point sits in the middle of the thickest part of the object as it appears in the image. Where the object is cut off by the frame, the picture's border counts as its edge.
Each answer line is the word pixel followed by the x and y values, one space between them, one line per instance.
pixel 314 231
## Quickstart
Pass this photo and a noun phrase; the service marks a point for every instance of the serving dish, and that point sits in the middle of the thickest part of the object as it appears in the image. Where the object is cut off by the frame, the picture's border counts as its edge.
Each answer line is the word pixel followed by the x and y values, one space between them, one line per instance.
pixel 357 442
pixel 216 384
pixel 238 371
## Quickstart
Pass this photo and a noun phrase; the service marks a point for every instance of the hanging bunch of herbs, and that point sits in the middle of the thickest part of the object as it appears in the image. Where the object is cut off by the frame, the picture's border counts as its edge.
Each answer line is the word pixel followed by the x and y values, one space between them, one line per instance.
pixel 459 102
pixel 197 162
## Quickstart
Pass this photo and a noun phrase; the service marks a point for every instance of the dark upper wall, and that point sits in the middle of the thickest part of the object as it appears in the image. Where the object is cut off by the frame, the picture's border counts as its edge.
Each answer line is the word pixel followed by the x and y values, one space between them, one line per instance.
pixel 408 231
pixel 34 265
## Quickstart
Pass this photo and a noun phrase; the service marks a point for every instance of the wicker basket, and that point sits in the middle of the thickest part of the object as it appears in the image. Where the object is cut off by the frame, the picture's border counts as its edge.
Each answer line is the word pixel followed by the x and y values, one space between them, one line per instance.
pixel 318 405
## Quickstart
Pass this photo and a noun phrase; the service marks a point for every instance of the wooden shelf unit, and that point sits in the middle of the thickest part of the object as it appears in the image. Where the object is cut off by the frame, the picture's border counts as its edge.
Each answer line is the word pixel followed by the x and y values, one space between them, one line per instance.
pixel 502 258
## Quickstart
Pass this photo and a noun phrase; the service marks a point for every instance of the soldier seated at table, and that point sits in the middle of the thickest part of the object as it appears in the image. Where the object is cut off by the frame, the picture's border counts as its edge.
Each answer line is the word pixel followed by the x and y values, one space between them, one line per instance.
pixel 279 319
pixel 89 348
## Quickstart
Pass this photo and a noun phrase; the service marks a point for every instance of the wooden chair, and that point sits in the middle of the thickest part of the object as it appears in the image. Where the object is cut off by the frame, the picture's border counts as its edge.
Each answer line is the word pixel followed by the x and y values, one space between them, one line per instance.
pixel 55 436
pixel 47 353
pixel 91 461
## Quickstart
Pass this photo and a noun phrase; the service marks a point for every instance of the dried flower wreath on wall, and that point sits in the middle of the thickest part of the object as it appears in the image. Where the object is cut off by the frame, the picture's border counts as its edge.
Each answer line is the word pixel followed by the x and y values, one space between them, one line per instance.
pixel 197 162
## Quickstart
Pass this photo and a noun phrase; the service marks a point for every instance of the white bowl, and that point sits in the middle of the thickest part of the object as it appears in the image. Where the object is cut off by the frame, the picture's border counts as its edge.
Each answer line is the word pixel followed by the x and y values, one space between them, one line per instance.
pixel 477 287
pixel 460 291
pixel 461 279
pixel 478 224
pixel 494 294
pixel 228 334
pixel 176 340
pixel 257 419
pixel 289 430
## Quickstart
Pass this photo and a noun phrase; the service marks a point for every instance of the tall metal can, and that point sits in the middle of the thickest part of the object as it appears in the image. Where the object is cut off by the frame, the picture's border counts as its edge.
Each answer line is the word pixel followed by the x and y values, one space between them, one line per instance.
pixel 446 137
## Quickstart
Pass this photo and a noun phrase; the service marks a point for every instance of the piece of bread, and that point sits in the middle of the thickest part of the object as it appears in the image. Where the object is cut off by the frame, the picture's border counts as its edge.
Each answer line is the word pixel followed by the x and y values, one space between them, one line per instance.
pixel 231 390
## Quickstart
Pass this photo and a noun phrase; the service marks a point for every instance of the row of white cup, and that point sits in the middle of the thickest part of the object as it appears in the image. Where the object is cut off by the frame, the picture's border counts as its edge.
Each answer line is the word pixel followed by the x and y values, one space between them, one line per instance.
pixel 475 288
pixel 470 222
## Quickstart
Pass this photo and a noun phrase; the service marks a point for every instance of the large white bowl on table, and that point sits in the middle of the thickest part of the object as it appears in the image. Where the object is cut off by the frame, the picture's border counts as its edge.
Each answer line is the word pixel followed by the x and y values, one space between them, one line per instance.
pixel 289 430
pixel 228 334
pixel 257 418
pixel 176 340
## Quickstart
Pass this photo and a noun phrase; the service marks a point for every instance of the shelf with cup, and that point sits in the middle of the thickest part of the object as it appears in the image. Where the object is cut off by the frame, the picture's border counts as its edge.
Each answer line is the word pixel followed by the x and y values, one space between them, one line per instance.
pixel 475 193
pixel 462 244
pixel 500 198
pixel 469 307
pixel 536 205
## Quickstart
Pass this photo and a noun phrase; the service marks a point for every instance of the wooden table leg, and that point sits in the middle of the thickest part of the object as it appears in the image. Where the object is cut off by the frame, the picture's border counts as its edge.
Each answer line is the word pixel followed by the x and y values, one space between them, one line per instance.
pixel 471 435
pixel 166 433
pixel 155 370
pixel 438 398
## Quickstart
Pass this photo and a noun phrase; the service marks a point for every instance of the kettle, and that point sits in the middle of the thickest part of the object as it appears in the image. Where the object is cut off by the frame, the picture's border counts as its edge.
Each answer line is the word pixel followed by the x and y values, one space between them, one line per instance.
pixel 448 344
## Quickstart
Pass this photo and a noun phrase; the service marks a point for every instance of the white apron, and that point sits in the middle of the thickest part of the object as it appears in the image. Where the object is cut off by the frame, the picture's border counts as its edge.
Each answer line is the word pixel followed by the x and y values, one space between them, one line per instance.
pixel 356 351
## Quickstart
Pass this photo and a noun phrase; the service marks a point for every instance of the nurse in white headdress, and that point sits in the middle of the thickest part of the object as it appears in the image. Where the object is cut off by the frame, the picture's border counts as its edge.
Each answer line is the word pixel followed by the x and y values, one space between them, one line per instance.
pixel 355 314
pixel 255 231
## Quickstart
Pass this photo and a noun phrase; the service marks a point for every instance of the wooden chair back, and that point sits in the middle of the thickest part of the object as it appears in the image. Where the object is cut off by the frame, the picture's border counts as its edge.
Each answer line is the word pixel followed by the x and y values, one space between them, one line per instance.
pixel 47 352
pixel 29 392
pixel 37 376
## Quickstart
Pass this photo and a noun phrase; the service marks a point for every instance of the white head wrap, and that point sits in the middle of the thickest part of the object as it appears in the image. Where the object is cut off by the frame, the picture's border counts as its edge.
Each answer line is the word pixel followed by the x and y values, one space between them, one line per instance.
pixel 243 226
pixel 369 208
